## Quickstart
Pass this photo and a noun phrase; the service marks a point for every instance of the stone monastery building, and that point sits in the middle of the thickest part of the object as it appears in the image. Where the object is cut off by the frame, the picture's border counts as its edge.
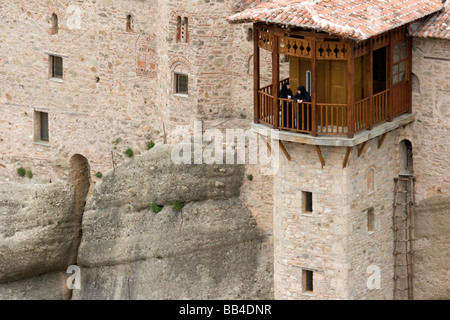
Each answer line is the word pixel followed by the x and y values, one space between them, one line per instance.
pixel 363 182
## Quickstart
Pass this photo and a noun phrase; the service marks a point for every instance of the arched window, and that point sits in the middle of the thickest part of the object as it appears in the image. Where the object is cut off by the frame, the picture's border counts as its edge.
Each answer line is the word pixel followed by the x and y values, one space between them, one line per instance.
pixel 129 26
pixel 54 21
pixel 406 157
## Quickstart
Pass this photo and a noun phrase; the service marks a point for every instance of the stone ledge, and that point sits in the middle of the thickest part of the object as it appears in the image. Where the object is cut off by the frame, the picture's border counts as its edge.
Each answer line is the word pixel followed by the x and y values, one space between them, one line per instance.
pixel 336 141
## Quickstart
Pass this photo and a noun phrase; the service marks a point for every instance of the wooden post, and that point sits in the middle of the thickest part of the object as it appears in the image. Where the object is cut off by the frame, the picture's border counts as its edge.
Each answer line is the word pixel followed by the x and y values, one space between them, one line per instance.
pixel 390 58
pixel 409 74
pixel 369 69
pixel 314 87
pixel 350 91
pixel 275 81
pixel 256 84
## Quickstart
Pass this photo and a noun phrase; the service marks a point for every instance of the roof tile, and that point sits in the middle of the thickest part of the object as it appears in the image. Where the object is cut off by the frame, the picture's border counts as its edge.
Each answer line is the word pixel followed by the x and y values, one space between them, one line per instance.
pixel 359 19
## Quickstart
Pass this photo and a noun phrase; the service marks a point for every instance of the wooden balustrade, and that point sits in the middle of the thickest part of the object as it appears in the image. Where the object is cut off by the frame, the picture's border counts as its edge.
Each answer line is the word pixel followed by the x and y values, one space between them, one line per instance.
pixel 295 116
pixel 380 104
pixel 361 110
pixel 266 108
pixel 331 118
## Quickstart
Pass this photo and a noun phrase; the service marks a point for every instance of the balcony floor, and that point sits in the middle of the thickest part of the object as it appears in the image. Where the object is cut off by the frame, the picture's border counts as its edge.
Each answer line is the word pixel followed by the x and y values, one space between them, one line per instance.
pixel 336 141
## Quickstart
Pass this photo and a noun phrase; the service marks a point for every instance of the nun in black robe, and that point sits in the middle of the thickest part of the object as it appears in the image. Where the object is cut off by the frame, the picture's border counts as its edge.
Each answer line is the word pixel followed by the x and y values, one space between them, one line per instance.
pixel 303 96
pixel 286 93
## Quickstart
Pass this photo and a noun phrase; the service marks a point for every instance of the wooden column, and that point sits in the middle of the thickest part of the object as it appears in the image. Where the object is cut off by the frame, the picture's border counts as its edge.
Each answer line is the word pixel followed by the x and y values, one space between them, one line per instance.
pixel 275 81
pixel 256 83
pixel 314 88
pixel 390 58
pixel 409 73
pixel 369 70
pixel 350 91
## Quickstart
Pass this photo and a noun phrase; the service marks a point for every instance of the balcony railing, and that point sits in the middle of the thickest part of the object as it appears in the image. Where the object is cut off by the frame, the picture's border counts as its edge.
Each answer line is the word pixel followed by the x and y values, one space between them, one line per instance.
pixel 331 118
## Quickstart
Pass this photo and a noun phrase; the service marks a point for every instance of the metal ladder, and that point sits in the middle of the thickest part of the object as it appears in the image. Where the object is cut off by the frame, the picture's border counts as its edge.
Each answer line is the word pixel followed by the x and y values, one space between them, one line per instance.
pixel 403 237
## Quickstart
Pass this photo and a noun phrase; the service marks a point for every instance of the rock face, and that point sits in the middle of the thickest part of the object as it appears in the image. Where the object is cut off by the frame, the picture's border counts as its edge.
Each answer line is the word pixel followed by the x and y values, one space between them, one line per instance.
pixel 37 230
pixel 209 249
pixel 431 263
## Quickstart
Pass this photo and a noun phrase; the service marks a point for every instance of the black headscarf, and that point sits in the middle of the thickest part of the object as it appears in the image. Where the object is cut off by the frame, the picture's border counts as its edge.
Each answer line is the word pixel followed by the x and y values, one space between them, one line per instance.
pixel 303 95
pixel 285 92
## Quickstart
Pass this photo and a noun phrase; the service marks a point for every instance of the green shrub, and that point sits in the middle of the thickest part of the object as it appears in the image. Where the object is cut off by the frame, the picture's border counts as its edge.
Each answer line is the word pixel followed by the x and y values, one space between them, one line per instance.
pixel 155 208
pixel 177 206
pixel 21 172
pixel 250 177
pixel 129 152
pixel 99 175
pixel 29 174
pixel 150 145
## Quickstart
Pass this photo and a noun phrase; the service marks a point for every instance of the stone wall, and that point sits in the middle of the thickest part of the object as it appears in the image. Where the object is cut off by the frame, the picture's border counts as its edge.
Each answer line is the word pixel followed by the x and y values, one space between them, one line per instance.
pixel 311 241
pixel 118 85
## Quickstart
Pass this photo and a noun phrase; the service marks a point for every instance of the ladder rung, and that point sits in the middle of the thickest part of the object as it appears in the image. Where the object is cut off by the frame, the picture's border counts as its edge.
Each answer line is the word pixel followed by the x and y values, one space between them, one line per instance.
pixel 405 240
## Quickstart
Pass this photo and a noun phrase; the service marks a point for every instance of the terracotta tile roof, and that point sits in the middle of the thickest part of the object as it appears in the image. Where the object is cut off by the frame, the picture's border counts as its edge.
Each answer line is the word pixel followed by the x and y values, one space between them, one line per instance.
pixel 357 19
pixel 435 26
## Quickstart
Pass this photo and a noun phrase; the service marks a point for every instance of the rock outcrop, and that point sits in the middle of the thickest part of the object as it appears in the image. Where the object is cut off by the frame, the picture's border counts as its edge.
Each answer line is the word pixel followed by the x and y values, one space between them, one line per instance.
pixel 210 249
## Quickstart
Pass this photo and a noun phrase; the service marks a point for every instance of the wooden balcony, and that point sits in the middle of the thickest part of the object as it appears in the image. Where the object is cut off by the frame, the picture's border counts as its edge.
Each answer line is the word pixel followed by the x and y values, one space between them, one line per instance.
pixel 372 77
pixel 332 119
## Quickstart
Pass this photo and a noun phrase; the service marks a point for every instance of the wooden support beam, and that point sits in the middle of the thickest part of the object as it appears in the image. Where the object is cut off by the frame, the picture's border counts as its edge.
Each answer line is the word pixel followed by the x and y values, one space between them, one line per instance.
pixel 360 151
pixel 267 143
pixel 380 142
pixel 347 155
pixel 275 81
pixel 350 91
pixel 319 152
pixel 256 83
pixel 283 148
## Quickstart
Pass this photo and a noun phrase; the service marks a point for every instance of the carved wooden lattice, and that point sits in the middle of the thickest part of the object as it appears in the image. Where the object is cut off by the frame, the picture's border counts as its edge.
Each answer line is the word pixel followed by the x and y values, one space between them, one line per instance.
pixel 295 47
pixel 380 41
pixel 265 40
pixel 399 33
pixel 361 48
pixel 331 50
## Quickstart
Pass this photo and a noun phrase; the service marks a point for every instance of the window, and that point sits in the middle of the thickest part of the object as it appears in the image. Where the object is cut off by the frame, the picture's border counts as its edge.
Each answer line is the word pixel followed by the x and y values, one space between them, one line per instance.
pixel 41 126
pixel 129 26
pixel 182 29
pixel 181 83
pixel 399 62
pixel 308 281
pixel 370 220
pixel 249 34
pixel 308 201
pixel 308 81
pixel 56 67
pixel 54 20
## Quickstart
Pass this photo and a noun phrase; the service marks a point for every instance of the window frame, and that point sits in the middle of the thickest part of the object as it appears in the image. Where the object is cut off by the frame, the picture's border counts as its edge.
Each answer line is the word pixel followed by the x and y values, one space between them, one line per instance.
pixel 401 61
pixel 371 226
pixel 53 74
pixel 306 195
pixel 39 126
pixel 177 76
pixel 307 281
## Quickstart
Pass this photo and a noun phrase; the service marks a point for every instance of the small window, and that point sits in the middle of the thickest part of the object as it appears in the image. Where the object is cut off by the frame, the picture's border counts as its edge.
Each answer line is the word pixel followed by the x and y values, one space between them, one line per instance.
pixel 56 67
pixel 54 29
pixel 370 220
pixel 181 83
pixel 41 126
pixel 182 29
pixel 308 201
pixel 249 34
pixel 129 26
pixel 308 281
pixel 308 81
